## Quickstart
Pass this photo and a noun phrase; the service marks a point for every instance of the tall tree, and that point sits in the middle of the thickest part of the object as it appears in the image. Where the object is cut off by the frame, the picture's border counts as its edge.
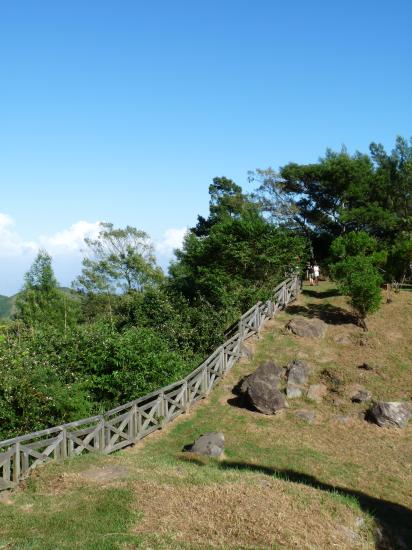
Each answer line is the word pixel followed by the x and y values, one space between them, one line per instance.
pixel 42 302
pixel 342 193
pixel 118 260
pixel 227 201
pixel 239 262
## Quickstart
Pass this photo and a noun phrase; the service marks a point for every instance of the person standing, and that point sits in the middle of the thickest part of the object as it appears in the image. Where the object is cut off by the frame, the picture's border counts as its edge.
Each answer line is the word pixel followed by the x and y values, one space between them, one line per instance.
pixel 316 273
pixel 310 274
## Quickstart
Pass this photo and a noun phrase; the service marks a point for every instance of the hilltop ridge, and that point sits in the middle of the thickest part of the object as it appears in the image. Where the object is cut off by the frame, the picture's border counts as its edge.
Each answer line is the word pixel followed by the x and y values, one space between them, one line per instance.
pixel 284 483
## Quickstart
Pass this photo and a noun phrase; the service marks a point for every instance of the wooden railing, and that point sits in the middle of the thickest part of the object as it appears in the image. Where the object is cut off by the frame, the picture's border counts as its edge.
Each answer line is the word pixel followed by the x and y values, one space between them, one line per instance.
pixel 128 423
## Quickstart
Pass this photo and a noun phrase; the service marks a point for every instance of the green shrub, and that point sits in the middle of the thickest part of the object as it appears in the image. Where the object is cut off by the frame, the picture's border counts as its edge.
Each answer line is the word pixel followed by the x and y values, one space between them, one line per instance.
pixel 359 279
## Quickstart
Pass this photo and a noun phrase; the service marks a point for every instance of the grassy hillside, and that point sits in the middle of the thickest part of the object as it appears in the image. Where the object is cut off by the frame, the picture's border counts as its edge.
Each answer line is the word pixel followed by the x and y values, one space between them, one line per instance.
pixel 339 482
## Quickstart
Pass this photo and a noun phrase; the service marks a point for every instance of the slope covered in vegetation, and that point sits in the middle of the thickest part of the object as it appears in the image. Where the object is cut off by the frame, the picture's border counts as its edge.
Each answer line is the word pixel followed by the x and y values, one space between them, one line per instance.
pixel 127 328
pixel 339 482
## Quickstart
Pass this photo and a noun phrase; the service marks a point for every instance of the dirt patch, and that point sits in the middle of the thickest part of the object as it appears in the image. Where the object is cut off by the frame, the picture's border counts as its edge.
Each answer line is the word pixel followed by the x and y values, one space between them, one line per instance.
pixel 104 475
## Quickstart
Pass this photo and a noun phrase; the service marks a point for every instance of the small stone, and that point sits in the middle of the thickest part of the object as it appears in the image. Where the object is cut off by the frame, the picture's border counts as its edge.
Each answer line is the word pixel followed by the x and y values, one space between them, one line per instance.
pixel 349 534
pixel 208 444
pixel 359 522
pixel 343 339
pixel 362 396
pixel 298 372
pixel 317 392
pixel 293 391
pixel 366 366
pixel 343 419
pixel 306 415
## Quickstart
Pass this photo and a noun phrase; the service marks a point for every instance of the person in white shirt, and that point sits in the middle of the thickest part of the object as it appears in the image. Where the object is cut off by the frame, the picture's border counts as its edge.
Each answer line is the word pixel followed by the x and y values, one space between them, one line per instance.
pixel 316 273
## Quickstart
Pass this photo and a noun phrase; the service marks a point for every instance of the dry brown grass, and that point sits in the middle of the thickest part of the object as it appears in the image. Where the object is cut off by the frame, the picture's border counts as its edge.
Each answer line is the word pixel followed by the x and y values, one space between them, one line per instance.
pixel 263 514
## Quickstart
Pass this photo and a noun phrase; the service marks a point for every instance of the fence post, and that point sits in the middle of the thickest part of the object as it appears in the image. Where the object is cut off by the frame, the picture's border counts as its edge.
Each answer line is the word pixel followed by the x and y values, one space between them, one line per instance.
pixel 133 422
pixel 185 399
pixel 102 436
pixel 241 330
pixel 222 361
pixel 258 321
pixel 63 445
pixel 204 383
pixel 285 295
pixel 162 410
pixel 16 463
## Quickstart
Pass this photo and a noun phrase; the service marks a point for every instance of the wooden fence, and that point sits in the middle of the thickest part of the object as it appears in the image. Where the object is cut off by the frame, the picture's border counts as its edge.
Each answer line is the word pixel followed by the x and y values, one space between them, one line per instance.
pixel 128 423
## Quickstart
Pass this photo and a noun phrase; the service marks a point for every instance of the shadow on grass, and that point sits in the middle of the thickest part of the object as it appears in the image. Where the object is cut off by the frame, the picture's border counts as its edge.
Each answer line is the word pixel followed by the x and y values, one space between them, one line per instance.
pixel 394 521
pixel 332 315
pixel 332 292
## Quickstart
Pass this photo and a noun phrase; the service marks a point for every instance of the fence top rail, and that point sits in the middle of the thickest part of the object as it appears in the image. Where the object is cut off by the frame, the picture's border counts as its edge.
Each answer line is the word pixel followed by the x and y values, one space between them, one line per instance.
pixel 280 285
pixel 250 311
pixel 153 395
pixel 50 431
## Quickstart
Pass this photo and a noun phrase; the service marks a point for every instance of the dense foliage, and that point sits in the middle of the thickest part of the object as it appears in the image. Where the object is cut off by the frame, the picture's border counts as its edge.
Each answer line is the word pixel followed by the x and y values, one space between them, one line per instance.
pixel 126 328
pixel 343 193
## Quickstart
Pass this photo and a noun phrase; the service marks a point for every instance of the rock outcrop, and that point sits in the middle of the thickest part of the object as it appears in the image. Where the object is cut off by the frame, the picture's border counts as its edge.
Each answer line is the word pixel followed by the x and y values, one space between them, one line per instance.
pixel 309 328
pixel 260 389
pixel 390 414
pixel 208 444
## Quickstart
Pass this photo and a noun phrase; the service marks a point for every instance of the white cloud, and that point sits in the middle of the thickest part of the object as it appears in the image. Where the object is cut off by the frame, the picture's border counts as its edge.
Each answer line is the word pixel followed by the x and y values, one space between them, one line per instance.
pixel 11 243
pixel 63 242
pixel 66 247
pixel 72 239
pixel 172 239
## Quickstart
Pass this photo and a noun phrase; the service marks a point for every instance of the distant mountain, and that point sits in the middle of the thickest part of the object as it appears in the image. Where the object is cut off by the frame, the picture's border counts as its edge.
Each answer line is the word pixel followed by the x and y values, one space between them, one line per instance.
pixel 8 303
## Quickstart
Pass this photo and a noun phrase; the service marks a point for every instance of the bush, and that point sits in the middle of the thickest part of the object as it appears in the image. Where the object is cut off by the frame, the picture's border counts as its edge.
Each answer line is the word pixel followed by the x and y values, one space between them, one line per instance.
pixel 360 280
pixel 50 378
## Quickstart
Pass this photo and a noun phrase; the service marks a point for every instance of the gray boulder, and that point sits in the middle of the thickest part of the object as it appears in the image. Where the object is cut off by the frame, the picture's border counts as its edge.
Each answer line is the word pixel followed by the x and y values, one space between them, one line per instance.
pixel 265 398
pixel 390 414
pixel 268 372
pixel 298 372
pixel 309 328
pixel 260 389
pixel 208 444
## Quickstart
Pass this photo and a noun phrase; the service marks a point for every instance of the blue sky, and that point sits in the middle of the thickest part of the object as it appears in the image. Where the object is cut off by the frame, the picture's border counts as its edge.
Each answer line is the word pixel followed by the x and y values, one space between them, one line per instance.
pixel 125 111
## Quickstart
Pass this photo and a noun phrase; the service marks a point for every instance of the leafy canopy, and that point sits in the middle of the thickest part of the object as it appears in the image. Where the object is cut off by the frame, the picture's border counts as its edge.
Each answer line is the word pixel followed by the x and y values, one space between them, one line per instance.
pixel 42 302
pixel 119 260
